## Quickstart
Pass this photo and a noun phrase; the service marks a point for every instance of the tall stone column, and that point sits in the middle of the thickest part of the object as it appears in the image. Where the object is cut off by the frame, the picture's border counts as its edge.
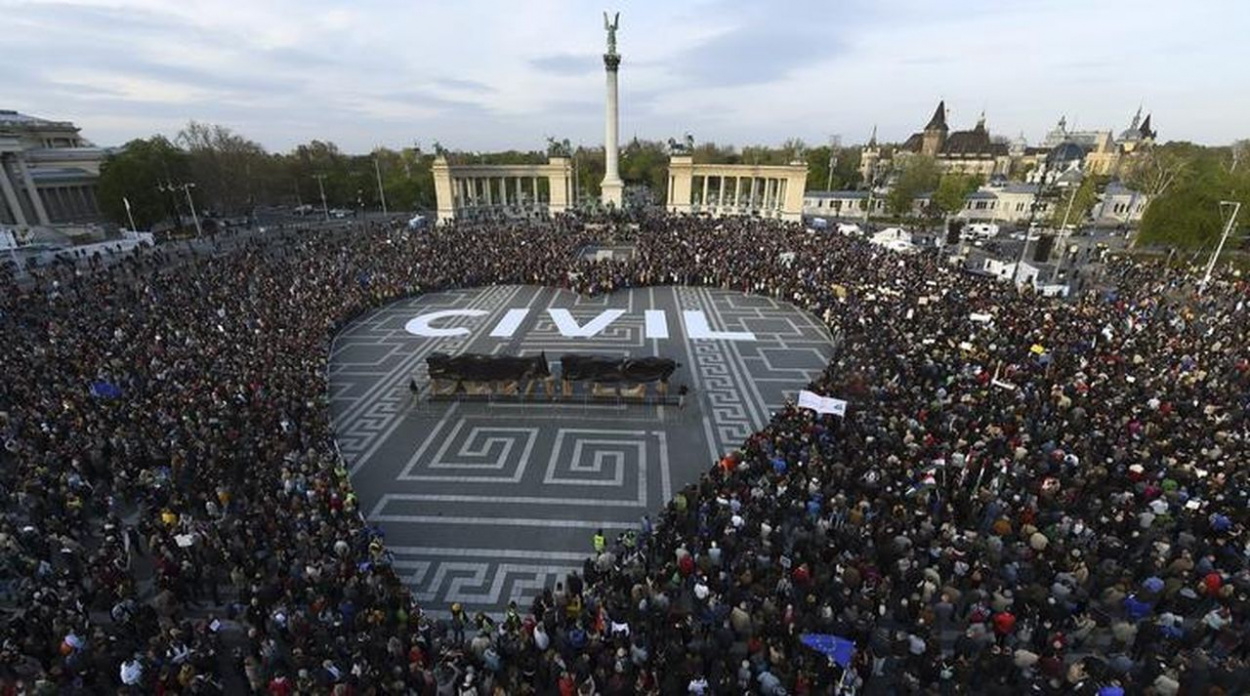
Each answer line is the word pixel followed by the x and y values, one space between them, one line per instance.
pixel 612 185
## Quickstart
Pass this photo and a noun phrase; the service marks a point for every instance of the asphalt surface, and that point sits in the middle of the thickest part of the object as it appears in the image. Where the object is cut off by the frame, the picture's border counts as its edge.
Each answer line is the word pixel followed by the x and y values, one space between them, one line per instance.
pixel 487 500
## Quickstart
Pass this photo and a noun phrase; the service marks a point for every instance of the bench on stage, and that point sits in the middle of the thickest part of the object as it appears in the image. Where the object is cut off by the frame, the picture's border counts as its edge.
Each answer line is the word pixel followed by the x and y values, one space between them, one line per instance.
pixel 582 378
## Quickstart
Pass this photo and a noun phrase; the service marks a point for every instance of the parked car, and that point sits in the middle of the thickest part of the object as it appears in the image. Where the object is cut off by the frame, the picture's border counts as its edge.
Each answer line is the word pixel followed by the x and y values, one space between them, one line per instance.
pixel 978 230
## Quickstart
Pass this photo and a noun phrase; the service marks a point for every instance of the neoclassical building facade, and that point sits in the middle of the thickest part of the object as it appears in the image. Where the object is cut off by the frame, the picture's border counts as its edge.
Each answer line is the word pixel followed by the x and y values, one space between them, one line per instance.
pixel 468 191
pixel 48 172
pixel 769 191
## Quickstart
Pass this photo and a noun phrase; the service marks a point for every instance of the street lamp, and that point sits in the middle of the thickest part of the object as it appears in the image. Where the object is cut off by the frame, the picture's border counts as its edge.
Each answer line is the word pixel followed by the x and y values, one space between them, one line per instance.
pixel 1063 236
pixel 381 194
pixel 325 209
pixel 1035 206
pixel 1228 227
pixel 835 141
pixel 186 189
pixel 129 217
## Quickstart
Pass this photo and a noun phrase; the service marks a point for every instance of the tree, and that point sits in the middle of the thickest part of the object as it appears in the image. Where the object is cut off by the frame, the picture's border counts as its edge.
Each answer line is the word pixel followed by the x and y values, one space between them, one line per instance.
pixel 224 165
pixel 645 163
pixel 845 168
pixel 919 175
pixel 1239 155
pixel 794 150
pixel 1080 202
pixel 1187 212
pixel 135 174
pixel 407 177
pixel 951 191
pixel 1154 171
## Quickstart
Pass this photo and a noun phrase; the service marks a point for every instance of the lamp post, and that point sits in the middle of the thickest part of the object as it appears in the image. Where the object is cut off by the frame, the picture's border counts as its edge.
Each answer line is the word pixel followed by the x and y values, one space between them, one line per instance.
pixel 325 209
pixel 131 218
pixel 1035 206
pixel 1063 236
pixel 186 189
pixel 835 141
pixel 377 169
pixel 1228 227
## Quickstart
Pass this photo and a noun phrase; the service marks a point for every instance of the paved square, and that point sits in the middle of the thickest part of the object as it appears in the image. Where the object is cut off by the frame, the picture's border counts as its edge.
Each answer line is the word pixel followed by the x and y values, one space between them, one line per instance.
pixel 484 501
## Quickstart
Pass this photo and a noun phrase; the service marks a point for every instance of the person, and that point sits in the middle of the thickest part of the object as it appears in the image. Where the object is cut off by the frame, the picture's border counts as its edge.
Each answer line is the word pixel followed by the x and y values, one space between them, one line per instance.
pixel 599 542
pixel 990 489
pixel 459 619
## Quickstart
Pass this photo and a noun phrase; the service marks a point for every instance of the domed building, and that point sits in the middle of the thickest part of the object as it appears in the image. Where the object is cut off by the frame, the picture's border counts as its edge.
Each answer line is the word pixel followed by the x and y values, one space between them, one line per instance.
pixel 1061 162
pixel 1110 156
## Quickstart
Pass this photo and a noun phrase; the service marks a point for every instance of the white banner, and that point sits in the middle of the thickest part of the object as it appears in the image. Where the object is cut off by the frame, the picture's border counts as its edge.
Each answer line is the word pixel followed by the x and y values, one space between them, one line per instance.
pixel 822 404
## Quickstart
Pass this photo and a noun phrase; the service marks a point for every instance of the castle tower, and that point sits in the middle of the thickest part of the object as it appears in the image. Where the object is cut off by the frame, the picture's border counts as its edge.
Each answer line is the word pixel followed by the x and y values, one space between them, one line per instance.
pixel 935 132
pixel 869 156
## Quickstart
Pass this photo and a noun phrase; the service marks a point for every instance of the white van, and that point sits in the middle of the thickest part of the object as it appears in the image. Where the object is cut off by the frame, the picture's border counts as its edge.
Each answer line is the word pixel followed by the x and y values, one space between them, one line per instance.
pixel 979 230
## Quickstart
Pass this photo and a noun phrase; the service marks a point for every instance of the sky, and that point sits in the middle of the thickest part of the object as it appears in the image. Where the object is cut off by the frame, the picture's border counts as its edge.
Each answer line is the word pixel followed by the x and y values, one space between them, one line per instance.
pixel 483 75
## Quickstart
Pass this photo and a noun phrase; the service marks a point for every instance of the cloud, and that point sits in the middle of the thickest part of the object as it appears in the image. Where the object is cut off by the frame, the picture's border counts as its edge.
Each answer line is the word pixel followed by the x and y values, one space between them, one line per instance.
pixel 287 71
pixel 459 85
pixel 752 54
pixel 568 64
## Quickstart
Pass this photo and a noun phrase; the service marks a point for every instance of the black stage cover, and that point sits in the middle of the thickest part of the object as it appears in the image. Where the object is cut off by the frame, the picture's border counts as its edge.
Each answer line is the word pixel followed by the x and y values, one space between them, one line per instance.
pixel 477 367
pixel 599 368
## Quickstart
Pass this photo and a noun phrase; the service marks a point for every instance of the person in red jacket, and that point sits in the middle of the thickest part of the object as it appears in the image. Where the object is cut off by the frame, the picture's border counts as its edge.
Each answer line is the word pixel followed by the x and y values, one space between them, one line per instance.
pixel 1004 624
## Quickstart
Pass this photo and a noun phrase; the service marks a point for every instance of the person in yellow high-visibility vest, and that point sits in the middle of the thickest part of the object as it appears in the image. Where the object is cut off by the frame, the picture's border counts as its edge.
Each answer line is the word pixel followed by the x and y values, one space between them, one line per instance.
pixel 600 542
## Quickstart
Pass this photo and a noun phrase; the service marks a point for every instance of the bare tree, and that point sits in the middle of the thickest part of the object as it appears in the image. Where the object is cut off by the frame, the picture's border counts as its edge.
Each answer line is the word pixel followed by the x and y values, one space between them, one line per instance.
pixel 1240 153
pixel 1154 172
pixel 224 164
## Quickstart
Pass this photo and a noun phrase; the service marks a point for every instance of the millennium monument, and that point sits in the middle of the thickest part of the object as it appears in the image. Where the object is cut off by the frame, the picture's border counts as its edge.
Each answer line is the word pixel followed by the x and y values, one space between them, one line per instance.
pixel 612 184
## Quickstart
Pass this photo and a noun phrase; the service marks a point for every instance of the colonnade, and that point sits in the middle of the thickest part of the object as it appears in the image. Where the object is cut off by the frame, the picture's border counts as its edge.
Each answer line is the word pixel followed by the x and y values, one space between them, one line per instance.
pixel 502 191
pixel 475 190
pixel 774 191
pixel 736 194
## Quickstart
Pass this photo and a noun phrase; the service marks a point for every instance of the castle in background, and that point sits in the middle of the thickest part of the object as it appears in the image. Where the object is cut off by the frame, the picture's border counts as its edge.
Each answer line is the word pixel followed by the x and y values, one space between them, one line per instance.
pixel 975 151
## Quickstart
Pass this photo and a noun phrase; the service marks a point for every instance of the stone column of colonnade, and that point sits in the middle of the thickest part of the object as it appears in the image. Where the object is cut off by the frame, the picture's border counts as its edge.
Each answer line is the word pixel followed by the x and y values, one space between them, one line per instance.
pixel 31 192
pixel 10 195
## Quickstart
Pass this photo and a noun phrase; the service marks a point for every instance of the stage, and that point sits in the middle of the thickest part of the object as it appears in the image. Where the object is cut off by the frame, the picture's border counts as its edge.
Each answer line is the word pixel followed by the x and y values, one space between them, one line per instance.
pixel 484 499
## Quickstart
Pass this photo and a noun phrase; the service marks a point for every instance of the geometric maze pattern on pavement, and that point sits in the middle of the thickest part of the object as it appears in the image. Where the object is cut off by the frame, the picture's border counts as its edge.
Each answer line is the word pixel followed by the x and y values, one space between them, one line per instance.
pixel 485 501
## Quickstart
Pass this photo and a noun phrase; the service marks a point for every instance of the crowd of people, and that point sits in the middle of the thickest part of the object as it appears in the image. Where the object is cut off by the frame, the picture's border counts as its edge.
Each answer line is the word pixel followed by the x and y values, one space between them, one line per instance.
pixel 1025 495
